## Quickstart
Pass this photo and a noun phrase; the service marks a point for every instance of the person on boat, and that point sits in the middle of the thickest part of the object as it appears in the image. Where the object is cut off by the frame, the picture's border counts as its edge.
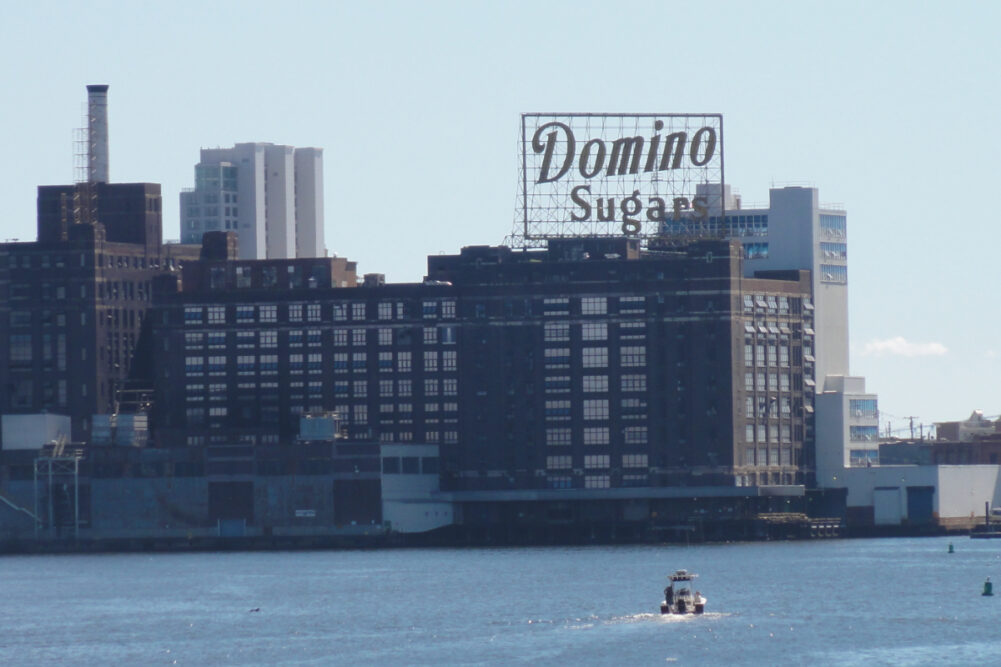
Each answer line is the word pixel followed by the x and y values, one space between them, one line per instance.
pixel 669 595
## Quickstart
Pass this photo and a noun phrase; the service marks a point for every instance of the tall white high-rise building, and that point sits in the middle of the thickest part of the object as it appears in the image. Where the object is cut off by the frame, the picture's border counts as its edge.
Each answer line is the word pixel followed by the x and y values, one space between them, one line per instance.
pixel 270 195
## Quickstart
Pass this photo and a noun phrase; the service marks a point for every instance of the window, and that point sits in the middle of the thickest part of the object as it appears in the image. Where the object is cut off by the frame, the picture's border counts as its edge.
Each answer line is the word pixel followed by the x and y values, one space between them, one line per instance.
pixel 244 314
pixel 313 312
pixel 269 313
pixel 429 309
pixel 557 410
pixel 430 361
pixel 596 460
pixel 595 383
pixel 269 364
pixel 340 362
pixel 596 409
pixel 217 314
pixel 357 311
pixel 431 387
pixel 192 365
pixel 593 305
pixel 246 364
pixel 863 433
pixel 558 482
pixel 295 312
pixel 340 337
pixel 632 304
pixel 862 407
pixel 635 435
pixel 633 356
pixel 359 415
pixel 192 315
pixel 269 339
pixel 217 365
pixel 594 331
pixel 558 384
pixel 595 357
pixel 832 273
pixel 430 335
pixel 448 360
pixel 358 361
pixel 559 462
pixel 634 460
pixel 385 361
pixel 633 383
pixel 385 387
pixel 632 330
pixel 358 337
pixel 597 481
pixel 20 348
pixel 556 306
pixel 339 312
pixel 448 309
pixel 556 331
pixel 360 388
pixel 450 387
pixel 557 357
pixel 385 311
pixel 596 435
pixel 403 388
pixel 557 437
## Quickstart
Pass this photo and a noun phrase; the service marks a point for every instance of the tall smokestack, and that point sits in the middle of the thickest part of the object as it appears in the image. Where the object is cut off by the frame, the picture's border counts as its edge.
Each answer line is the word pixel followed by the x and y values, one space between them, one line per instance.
pixel 97 134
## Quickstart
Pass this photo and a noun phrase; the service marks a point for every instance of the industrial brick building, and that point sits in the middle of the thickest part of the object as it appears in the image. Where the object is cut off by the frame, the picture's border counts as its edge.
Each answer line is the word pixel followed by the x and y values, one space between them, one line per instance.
pixel 590 365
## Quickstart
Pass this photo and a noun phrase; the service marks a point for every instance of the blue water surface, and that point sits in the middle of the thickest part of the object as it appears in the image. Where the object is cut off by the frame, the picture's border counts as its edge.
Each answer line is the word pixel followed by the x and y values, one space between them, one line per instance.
pixel 839 602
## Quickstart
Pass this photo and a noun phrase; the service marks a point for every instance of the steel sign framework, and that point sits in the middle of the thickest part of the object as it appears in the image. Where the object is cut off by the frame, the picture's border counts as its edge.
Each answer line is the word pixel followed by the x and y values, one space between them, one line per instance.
pixel 643 175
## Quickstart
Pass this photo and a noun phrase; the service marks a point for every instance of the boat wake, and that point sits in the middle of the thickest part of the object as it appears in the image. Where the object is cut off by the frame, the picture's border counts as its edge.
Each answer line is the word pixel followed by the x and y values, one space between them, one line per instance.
pixel 665 618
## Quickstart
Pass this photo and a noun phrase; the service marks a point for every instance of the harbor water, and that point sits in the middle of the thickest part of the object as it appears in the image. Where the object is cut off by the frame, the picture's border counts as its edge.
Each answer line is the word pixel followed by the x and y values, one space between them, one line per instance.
pixel 837 602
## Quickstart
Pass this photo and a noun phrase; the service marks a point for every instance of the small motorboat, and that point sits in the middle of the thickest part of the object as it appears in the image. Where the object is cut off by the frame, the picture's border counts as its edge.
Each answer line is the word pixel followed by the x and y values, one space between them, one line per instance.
pixel 679 598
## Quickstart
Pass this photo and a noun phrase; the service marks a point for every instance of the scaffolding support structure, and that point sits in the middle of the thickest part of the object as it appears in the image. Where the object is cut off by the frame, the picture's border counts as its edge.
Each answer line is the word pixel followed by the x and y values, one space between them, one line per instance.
pixel 55 471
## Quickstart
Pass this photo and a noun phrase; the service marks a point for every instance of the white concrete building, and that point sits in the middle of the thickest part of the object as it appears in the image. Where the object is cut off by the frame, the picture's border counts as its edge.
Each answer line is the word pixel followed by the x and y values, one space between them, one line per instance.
pixel 847 428
pixel 270 195
pixel 953 496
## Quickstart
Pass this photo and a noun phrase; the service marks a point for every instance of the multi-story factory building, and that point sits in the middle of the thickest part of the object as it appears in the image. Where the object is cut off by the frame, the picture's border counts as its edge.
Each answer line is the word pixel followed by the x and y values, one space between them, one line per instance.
pixel 72 303
pixel 588 365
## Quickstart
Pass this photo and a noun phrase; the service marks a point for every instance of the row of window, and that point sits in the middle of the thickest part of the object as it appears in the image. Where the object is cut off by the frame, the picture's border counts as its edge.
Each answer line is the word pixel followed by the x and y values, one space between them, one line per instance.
pixel 776 381
pixel 311 312
pixel 592 305
pixel 769 456
pixel 781 305
pixel 340 337
pixel 358 388
pixel 565 462
pixel 592 384
pixel 596 409
pixel 769 433
pixel 433 361
pixel 590 331
pixel 596 357
pixel 595 435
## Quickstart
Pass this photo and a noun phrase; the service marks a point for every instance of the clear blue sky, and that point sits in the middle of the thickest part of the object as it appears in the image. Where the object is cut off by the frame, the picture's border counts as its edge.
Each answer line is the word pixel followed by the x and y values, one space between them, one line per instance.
pixel 889 108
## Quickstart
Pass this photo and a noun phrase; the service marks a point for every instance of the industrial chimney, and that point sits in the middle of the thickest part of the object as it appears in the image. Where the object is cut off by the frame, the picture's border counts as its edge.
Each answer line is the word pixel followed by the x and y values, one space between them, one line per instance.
pixel 97 134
